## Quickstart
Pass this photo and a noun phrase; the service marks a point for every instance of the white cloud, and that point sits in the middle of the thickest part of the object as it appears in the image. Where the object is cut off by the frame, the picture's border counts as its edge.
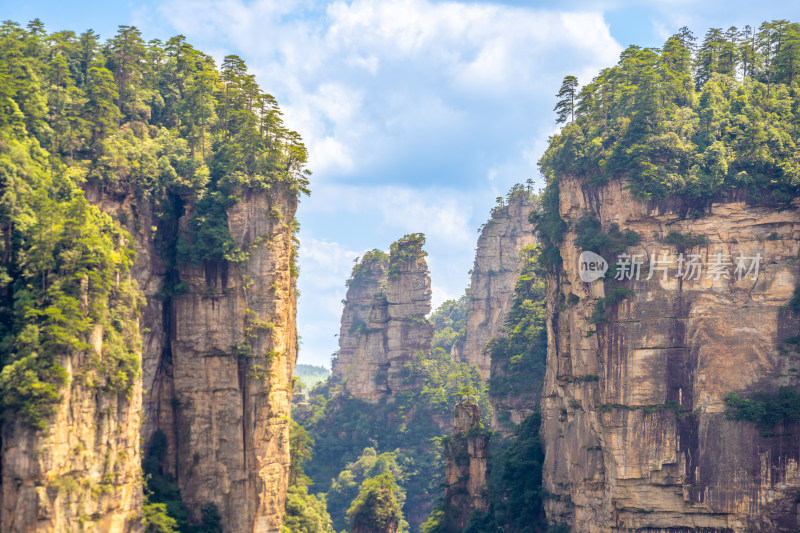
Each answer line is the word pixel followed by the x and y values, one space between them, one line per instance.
pixel 440 295
pixel 354 76
pixel 442 214
pixel 406 107
pixel 324 267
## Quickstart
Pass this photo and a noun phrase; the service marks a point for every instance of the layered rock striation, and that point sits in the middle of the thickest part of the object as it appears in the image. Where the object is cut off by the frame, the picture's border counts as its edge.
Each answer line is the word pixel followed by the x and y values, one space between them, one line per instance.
pixel 219 349
pixel 84 472
pixel 466 455
pixel 383 321
pixel 494 275
pixel 635 428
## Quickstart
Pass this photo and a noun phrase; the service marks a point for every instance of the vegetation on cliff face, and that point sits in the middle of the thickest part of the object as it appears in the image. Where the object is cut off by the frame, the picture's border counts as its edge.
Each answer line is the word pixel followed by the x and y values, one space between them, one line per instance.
pixel 409 427
pixel 155 119
pixel 766 409
pixel 154 122
pixel 356 441
pixel 518 358
pixel 450 321
pixel 406 249
pixel 692 119
pixel 515 463
pixel 360 268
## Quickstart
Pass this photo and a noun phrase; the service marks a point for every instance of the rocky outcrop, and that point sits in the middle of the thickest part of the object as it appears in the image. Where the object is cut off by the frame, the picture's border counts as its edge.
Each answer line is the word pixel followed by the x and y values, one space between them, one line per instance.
pixel 219 349
pixel 466 455
pixel 362 355
pixel 84 472
pixel 634 425
pixel 234 347
pixel 494 275
pixel 76 467
pixel 383 322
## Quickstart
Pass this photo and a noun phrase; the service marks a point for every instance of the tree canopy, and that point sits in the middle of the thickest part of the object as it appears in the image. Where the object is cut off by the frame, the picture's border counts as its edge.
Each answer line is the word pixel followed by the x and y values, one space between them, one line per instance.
pixel 691 119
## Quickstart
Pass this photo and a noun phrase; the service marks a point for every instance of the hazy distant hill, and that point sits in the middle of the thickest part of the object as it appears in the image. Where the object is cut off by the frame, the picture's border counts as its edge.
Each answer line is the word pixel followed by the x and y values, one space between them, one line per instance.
pixel 310 375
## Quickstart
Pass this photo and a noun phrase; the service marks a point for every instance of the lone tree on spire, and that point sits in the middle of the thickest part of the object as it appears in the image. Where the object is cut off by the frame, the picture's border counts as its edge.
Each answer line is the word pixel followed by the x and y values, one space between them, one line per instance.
pixel 565 108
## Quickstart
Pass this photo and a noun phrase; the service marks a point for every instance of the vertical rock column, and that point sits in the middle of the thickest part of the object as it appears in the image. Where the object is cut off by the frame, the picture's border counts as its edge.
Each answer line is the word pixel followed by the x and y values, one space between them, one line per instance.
pixel 362 339
pixel 383 322
pixel 494 275
pixel 466 454
pixel 233 351
pixel 408 294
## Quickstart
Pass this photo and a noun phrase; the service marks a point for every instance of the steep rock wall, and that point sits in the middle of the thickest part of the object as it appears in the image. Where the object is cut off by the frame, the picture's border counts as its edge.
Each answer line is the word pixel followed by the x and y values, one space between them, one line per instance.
pixel 84 472
pixel 494 275
pixel 383 322
pixel 234 347
pixel 218 356
pixel 466 455
pixel 81 470
pixel 634 426
pixel 362 345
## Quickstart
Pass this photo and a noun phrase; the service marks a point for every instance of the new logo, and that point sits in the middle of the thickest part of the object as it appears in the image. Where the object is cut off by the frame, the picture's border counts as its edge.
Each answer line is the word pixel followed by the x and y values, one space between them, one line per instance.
pixel 591 266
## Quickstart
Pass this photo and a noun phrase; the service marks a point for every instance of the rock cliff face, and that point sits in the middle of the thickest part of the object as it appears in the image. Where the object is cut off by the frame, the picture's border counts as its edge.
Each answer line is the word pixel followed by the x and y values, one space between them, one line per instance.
pixel 634 426
pixel 383 322
pixel 494 276
pixel 466 454
pixel 84 473
pixel 218 357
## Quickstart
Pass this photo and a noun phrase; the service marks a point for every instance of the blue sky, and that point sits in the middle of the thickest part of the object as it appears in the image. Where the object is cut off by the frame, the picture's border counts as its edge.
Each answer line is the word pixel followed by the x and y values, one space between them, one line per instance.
pixel 416 113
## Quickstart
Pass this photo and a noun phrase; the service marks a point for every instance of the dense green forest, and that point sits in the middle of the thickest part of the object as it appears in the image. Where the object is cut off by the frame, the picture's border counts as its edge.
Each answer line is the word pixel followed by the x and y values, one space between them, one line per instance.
pixel 691 118
pixel 355 442
pixel 695 119
pixel 157 121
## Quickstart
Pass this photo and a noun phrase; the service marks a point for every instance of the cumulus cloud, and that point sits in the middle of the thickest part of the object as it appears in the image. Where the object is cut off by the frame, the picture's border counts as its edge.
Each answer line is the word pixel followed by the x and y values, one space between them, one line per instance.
pixel 442 214
pixel 406 107
pixel 324 267
pixel 362 80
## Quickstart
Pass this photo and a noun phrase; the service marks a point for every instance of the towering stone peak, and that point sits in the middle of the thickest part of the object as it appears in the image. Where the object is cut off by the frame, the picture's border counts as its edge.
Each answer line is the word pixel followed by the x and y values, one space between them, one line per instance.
pixel 218 356
pixel 466 454
pixel 233 351
pixel 495 274
pixel 466 415
pixel 634 421
pixel 69 455
pixel 383 321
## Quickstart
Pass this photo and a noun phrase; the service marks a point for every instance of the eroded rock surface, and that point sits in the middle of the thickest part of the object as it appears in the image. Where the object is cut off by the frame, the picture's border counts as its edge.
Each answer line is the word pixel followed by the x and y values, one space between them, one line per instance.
pixel 383 322
pixel 466 455
pixel 494 275
pixel 218 357
pixel 634 426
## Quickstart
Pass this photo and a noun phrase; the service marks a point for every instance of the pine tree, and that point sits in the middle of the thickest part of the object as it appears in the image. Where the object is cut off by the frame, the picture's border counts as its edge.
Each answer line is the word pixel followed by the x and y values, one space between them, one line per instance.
pixel 127 51
pixel 565 107
pixel 101 106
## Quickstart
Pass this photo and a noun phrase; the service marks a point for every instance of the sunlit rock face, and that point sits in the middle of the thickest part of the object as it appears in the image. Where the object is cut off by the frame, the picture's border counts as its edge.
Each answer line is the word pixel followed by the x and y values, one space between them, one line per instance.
pixel 383 323
pixel 494 276
pixel 218 357
pixel 634 416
